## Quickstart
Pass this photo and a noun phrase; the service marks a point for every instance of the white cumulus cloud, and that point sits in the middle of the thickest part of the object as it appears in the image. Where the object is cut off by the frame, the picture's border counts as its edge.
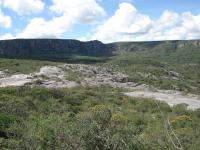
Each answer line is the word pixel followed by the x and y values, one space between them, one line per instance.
pixel 84 11
pixel 24 7
pixel 40 28
pixel 68 14
pixel 126 21
pixel 5 21
pixel 128 24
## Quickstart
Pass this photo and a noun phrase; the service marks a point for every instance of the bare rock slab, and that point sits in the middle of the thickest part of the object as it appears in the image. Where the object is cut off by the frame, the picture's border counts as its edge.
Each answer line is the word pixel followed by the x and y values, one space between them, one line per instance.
pixel 172 98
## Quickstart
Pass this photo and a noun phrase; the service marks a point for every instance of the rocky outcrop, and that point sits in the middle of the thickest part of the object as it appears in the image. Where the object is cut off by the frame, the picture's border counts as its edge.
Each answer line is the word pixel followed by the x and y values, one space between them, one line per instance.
pixel 42 47
pixel 97 75
pixel 62 76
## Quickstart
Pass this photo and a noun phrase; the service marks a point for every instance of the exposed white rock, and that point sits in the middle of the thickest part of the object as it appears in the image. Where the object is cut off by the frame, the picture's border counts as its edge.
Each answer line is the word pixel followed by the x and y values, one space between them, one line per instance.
pixel 51 72
pixel 59 84
pixel 170 97
pixel 16 80
pixel 2 74
pixel 96 75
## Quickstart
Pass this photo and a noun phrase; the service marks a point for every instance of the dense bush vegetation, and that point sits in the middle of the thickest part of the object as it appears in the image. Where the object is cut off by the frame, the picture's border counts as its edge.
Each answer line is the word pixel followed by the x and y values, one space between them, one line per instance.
pixel 90 118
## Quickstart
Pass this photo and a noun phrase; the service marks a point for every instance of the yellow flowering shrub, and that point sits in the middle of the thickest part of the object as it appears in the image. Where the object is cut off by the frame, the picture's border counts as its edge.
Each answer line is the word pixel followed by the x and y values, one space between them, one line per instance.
pixel 118 119
pixel 180 118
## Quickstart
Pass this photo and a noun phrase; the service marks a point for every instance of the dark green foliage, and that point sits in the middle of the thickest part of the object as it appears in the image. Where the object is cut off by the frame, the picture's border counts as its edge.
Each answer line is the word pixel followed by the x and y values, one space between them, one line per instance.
pixel 90 118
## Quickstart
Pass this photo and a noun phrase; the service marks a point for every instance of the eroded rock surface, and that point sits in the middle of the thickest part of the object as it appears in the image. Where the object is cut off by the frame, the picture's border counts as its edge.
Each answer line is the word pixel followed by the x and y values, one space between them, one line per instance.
pixel 170 97
pixel 16 80
pixel 56 77
pixel 96 75
pixel 51 72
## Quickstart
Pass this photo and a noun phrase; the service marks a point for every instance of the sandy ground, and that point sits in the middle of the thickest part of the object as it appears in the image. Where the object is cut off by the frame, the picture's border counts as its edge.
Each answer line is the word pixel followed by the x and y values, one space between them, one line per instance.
pixel 170 97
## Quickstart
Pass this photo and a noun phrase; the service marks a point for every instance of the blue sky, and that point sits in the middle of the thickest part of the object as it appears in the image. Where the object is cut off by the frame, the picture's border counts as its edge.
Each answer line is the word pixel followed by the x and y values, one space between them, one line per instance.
pixel 105 20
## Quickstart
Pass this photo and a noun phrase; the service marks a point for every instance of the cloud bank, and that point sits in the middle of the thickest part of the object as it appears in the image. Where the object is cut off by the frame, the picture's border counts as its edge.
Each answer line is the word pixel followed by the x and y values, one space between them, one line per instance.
pixel 126 24
pixel 69 13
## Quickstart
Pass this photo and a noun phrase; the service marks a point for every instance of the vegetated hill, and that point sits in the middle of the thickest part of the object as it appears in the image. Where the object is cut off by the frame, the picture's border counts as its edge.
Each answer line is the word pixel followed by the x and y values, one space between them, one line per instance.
pixel 166 65
pixel 141 46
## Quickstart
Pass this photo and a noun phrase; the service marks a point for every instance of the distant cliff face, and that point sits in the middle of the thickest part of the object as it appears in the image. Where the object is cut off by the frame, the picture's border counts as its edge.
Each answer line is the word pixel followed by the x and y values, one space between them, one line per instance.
pixel 57 47
pixel 37 47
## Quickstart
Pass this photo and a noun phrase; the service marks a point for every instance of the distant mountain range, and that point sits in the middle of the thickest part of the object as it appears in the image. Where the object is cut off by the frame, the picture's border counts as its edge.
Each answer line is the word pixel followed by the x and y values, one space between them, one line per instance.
pixel 54 47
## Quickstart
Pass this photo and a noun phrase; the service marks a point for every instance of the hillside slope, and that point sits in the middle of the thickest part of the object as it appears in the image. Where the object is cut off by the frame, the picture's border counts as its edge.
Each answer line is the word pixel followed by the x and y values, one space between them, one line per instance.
pixel 141 46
